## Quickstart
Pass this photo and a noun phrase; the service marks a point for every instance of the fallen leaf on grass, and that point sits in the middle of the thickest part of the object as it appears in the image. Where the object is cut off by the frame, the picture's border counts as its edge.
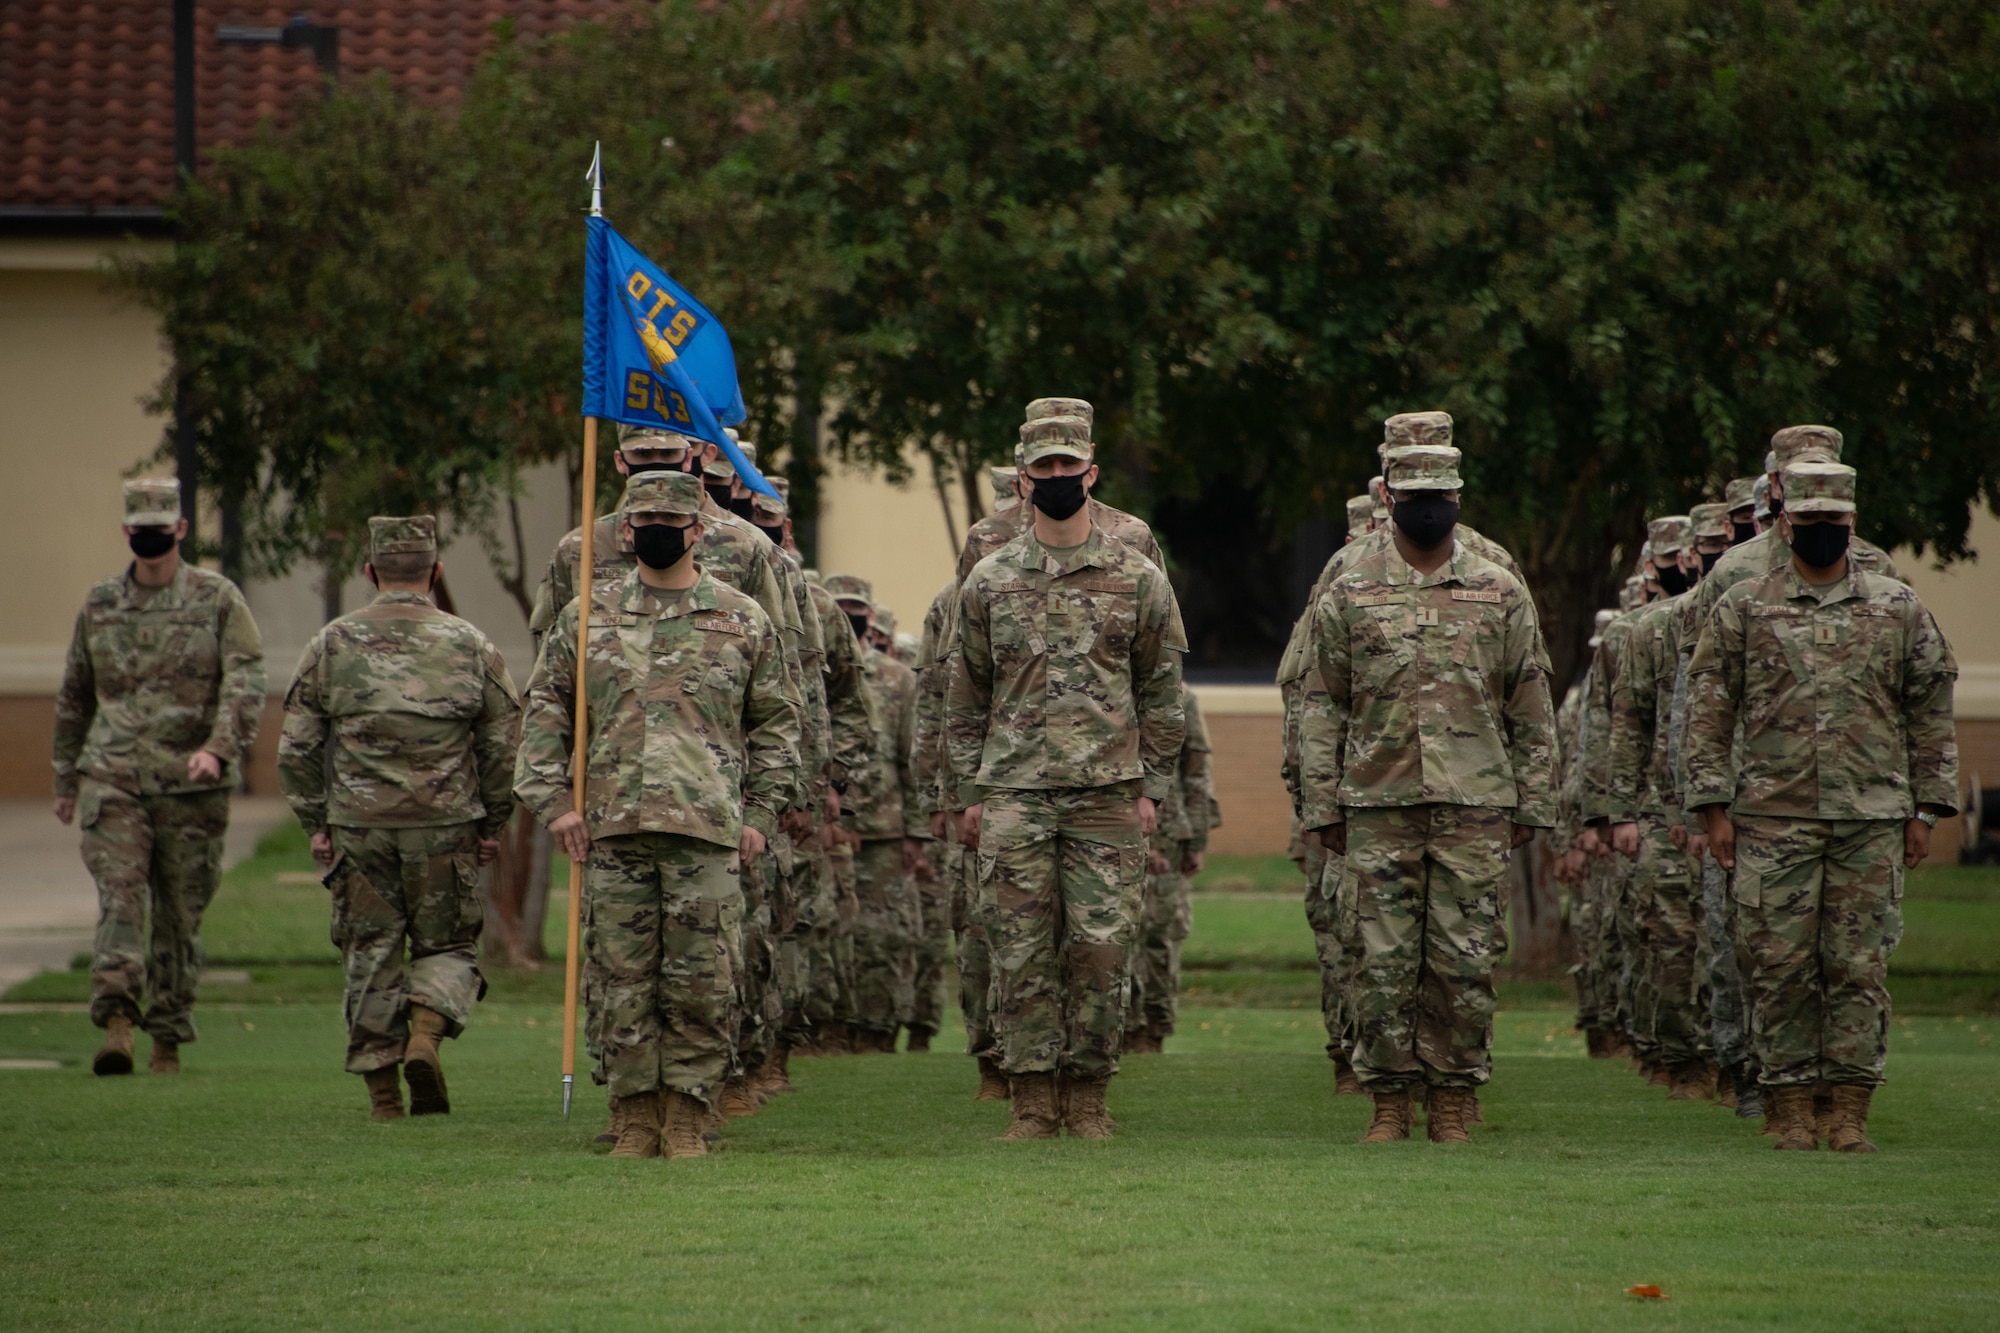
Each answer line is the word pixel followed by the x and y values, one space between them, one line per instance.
pixel 1649 1291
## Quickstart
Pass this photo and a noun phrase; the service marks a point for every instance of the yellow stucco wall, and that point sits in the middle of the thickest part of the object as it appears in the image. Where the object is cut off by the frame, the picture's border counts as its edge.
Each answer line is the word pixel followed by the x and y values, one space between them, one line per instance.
pixel 1966 601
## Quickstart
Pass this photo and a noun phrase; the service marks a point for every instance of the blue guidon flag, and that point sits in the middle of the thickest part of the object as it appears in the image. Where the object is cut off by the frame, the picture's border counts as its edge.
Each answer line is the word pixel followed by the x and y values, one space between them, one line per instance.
pixel 655 356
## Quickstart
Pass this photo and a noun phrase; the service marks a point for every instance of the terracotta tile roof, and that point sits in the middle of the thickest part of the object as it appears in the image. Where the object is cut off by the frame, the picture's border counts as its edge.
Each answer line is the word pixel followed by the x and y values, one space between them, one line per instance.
pixel 87 88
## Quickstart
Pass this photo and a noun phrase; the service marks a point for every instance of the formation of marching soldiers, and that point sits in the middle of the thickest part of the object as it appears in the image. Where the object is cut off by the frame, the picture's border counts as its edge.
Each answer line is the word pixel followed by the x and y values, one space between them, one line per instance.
pixel 793 818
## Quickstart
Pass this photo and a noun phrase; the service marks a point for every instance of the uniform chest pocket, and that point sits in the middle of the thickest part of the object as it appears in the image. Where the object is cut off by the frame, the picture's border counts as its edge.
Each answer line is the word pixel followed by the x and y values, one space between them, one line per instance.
pixel 722 649
pixel 1100 616
pixel 1869 644
pixel 1475 632
pixel 1381 635
pixel 1779 640
pixel 1017 626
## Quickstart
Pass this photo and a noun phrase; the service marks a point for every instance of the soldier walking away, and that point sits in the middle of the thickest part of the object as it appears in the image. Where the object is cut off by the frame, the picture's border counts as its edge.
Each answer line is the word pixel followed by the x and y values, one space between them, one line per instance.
pixel 398 759
pixel 1064 721
pixel 160 700
pixel 693 747
pixel 1431 756
pixel 1842 686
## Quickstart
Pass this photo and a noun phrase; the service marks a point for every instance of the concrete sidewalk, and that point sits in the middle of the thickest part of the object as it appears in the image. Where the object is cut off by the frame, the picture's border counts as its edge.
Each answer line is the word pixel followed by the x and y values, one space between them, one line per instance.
pixel 48 904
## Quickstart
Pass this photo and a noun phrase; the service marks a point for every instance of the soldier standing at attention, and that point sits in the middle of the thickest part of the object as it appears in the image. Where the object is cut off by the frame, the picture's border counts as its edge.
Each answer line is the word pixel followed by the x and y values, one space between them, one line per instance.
pixel 1432 756
pixel 1064 721
pixel 1842 685
pixel 398 759
pixel 159 703
pixel 693 741
pixel 1166 914
pixel 879 813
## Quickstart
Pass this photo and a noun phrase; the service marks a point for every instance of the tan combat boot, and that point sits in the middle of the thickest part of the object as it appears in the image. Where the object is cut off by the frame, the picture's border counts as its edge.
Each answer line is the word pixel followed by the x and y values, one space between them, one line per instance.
pixel 737 1099
pixel 617 1123
pixel 919 1042
pixel 1850 1118
pixel 773 1077
pixel 1792 1116
pixel 1692 1082
pixel 166 1057
pixel 1392 1117
pixel 992 1083
pixel 639 1126
pixel 1035 1114
pixel 681 1127
pixel 1346 1083
pixel 422 1065
pixel 1822 1111
pixel 1450 1111
pixel 385 1093
pixel 115 1056
pixel 1084 1113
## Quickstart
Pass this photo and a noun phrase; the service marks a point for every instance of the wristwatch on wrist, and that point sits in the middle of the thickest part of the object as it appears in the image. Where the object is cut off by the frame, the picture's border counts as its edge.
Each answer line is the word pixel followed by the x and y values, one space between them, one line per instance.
pixel 1928 818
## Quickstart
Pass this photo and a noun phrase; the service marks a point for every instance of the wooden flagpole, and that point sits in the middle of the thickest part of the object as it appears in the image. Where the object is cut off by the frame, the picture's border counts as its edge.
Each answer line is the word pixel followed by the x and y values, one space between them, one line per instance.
pixel 586 566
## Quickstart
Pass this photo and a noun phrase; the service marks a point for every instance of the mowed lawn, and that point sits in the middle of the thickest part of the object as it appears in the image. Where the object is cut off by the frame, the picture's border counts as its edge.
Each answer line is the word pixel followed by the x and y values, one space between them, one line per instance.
pixel 252 1192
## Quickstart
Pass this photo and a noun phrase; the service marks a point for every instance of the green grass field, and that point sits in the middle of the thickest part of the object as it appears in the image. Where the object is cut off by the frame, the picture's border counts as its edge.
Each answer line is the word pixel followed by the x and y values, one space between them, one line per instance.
pixel 252 1192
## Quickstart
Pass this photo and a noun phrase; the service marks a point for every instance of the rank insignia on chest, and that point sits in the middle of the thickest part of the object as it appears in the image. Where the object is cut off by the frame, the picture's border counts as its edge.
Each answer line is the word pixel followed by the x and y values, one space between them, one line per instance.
pixel 1427 615
pixel 1826 634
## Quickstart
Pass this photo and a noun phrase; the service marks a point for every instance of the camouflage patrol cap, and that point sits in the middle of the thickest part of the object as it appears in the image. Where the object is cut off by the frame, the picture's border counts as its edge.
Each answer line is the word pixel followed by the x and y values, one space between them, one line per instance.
pixel 1819 488
pixel 663 493
pixel 415 535
pixel 1360 513
pixel 1603 619
pixel 749 452
pixel 1763 495
pixel 1408 430
pixel 780 507
pixel 885 620
pixel 1669 535
pixel 1740 493
pixel 1632 593
pixel 152 502
pixel 1055 437
pixel 653 437
pixel 850 588
pixel 1821 443
pixel 1710 520
pixel 1423 467
pixel 1003 479
pixel 1043 408
pixel 719 467
pixel 1645 555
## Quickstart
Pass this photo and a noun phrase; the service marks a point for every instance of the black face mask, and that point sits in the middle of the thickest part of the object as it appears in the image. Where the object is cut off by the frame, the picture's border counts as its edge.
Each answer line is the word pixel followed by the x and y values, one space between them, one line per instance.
pixel 741 508
pixel 1820 544
pixel 1673 579
pixel 1776 504
pixel 1059 497
pixel 659 545
pixel 718 492
pixel 1741 532
pixel 1708 559
pixel 633 467
pixel 860 624
pixel 151 543
pixel 775 531
pixel 1426 519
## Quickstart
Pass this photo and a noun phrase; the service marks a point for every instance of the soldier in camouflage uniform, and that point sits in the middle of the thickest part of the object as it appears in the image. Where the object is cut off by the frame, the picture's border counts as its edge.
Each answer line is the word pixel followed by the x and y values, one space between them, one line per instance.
pixel 693 745
pixel 159 704
pixel 1431 757
pixel 1064 720
pixel 398 759
pixel 1166 911
pixel 1601 977
pixel 1842 686
pixel 1671 994
pixel 878 814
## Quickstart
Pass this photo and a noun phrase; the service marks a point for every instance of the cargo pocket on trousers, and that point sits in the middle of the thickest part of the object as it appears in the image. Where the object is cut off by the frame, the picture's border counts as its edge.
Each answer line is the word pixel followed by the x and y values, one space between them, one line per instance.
pixel 1745 886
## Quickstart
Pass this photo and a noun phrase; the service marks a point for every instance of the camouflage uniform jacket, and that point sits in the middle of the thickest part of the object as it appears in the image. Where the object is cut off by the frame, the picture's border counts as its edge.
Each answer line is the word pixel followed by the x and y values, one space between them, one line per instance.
pixel 153 675
pixel 400 716
pixel 693 729
pixel 851 724
pixel 994 531
pixel 1641 700
pixel 1368 543
pixel 1593 781
pixel 881 800
pixel 1437 692
pixel 929 762
pixel 1845 703
pixel 1065 671
pixel 1188 813
pixel 1569 725
pixel 813 719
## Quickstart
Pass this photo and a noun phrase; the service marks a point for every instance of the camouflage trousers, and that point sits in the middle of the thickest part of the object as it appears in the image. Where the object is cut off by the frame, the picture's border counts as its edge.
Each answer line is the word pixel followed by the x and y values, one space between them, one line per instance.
pixel 1060 875
pixel 933 942
pixel 1821 909
pixel 1587 921
pixel 1166 915
pixel 1422 891
pixel 397 893
pixel 1728 1015
pixel 969 946
pixel 1335 954
pixel 1673 995
pixel 666 931
pixel 1628 934
pixel 887 922
pixel 799 950
pixel 760 1008
pixel 157 861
